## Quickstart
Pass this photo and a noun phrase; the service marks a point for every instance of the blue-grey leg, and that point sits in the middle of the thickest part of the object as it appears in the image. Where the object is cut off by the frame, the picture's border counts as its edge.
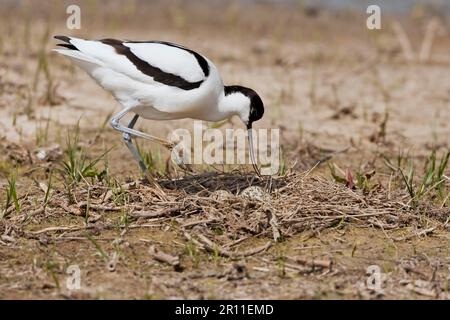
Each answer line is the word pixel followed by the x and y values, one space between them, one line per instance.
pixel 115 123
pixel 132 147
pixel 129 132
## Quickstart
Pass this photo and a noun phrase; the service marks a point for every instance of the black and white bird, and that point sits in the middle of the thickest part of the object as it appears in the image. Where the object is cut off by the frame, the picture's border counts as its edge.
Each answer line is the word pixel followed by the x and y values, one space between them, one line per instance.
pixel 161 81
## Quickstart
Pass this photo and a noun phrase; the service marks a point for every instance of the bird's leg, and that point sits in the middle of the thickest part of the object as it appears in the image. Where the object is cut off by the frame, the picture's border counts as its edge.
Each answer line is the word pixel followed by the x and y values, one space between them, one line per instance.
pixel 137 156
pixel 129 132
pixel 129 143
pixel 132 147
pixel 115 123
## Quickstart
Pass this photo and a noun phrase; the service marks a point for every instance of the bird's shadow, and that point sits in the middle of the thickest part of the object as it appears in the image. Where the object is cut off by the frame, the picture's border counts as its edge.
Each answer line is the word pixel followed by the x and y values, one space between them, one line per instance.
pixel 212 181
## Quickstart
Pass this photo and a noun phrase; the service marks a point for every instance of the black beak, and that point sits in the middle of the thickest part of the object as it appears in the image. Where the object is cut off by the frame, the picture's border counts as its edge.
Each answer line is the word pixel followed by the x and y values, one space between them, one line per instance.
pixel 250 146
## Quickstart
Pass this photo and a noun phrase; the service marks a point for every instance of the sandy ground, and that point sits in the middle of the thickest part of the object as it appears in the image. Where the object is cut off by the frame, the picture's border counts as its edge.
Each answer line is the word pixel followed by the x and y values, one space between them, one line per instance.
pixel 341 95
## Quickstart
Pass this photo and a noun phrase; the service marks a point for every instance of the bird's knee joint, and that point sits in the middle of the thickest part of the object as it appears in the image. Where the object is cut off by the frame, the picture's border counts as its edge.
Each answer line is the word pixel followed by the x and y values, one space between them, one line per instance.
pixel 126 136
pixel 114 123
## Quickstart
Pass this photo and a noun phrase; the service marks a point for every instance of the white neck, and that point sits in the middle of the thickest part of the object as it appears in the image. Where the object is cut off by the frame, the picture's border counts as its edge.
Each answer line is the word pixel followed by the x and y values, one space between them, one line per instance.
pixel 234 104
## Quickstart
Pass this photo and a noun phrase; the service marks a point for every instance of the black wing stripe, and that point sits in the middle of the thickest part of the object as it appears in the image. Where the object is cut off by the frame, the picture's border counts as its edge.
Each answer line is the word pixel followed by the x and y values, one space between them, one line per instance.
pixel 154 72
pixel 200 59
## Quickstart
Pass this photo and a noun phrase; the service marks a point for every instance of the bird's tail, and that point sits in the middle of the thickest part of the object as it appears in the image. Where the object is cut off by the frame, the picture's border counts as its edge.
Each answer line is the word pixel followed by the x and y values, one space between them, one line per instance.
pixel 71 51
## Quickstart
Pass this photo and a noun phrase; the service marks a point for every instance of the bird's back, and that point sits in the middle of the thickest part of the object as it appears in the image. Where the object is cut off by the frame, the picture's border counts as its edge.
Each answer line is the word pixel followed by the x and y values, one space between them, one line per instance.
pixel 169 78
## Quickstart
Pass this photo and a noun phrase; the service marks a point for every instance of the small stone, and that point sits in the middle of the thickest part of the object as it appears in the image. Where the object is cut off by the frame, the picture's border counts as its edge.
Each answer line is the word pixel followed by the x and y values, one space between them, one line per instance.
pixel 41 155
pixel 52 153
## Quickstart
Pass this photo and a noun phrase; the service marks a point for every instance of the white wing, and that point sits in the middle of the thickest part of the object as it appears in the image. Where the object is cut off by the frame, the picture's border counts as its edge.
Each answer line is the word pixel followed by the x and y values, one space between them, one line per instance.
pixel 169 58
pixel 153 63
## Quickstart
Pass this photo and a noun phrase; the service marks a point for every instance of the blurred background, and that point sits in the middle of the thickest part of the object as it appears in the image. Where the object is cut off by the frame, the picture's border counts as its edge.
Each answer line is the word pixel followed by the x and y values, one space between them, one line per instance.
pixel 365 113
pixel 327 81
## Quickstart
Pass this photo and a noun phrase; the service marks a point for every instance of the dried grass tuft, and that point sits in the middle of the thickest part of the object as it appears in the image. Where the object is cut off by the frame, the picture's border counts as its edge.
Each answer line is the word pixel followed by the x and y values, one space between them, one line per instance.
pixel 297 204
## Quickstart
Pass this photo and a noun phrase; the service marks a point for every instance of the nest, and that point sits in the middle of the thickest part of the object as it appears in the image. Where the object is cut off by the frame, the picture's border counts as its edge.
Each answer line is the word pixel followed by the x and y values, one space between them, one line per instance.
pixel 230 208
